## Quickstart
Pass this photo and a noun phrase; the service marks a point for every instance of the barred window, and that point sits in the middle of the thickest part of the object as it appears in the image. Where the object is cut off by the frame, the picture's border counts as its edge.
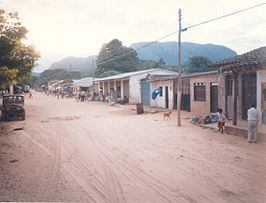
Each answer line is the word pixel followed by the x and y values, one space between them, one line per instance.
pixel 199 92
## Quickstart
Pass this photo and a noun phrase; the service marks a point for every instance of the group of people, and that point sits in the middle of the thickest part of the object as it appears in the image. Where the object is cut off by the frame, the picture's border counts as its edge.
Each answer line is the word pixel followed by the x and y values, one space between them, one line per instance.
pixel 253 120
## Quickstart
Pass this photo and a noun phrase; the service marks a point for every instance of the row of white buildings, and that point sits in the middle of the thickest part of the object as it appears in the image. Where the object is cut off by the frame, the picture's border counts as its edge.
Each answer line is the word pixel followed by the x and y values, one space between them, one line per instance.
pixel 201 92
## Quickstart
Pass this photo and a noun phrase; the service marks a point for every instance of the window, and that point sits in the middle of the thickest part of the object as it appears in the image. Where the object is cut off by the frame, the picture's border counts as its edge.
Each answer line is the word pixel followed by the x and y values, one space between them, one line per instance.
pixel 185 87
pixel 161 93
pixel 199 92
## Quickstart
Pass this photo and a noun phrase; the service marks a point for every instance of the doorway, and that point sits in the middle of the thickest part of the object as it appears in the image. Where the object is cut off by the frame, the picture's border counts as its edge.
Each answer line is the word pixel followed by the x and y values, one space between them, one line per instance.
pixel 166 98
pixel 214 97
pixel 249 92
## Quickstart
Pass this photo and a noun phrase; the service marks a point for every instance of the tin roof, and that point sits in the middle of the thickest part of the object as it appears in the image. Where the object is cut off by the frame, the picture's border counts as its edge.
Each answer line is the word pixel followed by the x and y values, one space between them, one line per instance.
pixel 129 74
pixel 84 82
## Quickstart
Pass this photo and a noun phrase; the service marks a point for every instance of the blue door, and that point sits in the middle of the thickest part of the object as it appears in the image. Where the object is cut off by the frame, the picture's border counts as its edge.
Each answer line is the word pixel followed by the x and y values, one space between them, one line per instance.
pixel 145 92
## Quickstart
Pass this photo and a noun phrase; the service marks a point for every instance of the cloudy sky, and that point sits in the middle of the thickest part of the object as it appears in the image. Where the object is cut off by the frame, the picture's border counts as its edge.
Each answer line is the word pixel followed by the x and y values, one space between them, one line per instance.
pixel 61 28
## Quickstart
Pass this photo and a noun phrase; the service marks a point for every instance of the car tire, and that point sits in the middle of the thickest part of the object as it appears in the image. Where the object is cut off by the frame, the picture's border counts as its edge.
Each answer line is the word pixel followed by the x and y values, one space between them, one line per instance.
pixel 23 115
pixel 3 116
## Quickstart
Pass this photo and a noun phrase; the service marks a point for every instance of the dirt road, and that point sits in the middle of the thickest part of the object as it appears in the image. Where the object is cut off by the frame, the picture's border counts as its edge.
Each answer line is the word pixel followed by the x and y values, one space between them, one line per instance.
pixel 92 152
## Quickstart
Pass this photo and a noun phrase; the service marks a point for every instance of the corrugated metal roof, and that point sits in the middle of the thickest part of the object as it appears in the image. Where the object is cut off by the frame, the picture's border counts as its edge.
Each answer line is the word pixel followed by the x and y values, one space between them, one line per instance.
pixel 127 75
pixel 84 82
pixel 174 75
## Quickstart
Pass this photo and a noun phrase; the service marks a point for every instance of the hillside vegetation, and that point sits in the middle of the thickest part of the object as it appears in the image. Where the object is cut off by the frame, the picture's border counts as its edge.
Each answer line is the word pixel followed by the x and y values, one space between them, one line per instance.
pixel 168 51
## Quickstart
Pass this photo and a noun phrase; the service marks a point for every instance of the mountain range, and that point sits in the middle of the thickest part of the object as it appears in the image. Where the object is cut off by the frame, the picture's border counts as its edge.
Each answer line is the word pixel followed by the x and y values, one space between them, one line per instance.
pixel 168 51
pixel 155 51
pixel 81 64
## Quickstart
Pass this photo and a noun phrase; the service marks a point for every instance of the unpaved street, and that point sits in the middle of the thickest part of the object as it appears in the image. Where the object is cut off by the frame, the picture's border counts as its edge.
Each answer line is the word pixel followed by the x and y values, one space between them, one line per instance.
pixel 92 152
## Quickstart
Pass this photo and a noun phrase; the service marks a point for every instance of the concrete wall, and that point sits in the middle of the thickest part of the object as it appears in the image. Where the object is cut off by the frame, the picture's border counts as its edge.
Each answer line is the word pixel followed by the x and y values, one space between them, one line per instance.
pixel 261 84
pixel 202 107
pixel 160 100
pixel 135 86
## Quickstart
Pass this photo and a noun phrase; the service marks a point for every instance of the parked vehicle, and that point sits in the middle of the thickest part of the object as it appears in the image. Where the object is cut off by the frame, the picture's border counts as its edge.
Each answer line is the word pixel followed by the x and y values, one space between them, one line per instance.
pixel 13 106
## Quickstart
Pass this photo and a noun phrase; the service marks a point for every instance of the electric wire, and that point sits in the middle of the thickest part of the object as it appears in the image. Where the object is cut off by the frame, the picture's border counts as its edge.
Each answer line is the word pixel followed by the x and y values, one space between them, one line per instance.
pixel 227 15
pixel 184 29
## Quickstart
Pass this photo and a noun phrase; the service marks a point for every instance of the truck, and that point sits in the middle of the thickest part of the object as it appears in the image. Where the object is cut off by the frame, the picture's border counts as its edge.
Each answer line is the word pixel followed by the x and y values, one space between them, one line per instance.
pixel 13 107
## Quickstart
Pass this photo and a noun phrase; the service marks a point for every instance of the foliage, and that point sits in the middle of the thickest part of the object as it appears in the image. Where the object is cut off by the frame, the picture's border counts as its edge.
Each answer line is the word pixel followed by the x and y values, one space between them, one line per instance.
pixel 16 59
pixel 197 64
pixel 58 74
pixel 32 81
pixel 109 73
pixel 169 51
pixel 115 56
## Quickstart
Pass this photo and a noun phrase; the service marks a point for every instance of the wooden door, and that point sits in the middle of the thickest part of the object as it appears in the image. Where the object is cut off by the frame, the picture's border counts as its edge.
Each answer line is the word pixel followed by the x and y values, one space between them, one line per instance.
pixel 214 97
pixel 145 92
pixel 166 97
pixel 249 93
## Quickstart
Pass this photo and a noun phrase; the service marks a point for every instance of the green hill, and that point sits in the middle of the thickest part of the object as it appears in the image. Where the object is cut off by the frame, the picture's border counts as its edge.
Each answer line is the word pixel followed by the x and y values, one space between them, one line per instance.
pixel 168 51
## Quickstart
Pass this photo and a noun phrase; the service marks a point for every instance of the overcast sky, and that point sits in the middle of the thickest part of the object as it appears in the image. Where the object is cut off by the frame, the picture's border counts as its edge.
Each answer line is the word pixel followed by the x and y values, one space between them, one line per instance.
pixel 61 28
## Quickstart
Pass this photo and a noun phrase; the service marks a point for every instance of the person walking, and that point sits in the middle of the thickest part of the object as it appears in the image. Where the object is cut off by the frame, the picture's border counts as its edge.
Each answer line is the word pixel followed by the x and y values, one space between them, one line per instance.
pixel 253 119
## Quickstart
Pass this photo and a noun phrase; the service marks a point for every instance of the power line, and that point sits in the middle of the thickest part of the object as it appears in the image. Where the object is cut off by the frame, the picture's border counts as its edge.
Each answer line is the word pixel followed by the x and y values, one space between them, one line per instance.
pixel 227 15
pixel 146 45
pixel 184 29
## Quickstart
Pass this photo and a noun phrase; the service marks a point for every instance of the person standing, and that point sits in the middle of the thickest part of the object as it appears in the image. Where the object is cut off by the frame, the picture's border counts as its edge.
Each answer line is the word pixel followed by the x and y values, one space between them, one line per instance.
pixel 221 120
pixel 253 119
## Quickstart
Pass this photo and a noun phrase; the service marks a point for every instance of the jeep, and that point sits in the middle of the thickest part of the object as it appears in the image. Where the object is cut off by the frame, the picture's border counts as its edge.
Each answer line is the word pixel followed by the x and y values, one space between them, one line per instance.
pixel 13 106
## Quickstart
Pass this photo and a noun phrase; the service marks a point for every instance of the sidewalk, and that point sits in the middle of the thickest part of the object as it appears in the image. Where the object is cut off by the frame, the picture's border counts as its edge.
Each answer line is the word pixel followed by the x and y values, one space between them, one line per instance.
pixel 241 129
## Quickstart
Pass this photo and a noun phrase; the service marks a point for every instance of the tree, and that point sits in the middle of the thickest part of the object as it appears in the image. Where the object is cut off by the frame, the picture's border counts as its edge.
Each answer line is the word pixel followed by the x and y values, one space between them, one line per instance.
pixel 16 59
pixel 197 64
pixel 115 56
pixel 58 74
pixel 109 73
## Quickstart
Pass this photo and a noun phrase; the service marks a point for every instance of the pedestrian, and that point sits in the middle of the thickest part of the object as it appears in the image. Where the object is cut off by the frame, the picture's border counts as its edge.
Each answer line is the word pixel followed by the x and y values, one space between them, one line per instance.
pixel 82 95
pixel 221 120
pixel 253 119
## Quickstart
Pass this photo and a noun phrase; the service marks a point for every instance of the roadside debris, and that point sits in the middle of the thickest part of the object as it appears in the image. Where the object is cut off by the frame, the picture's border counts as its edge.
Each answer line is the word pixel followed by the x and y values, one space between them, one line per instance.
pixel 44 121
pixel 18 129
pixel 13 160
pixel 204 120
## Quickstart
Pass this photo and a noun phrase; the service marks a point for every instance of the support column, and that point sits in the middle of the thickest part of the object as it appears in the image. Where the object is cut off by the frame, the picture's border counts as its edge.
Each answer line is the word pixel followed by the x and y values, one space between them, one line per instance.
pixel 108 89
pixel 99 87
pixel 11 89
pixel 114 85
pixel 235 76
pixel 103 88
pixel 122 89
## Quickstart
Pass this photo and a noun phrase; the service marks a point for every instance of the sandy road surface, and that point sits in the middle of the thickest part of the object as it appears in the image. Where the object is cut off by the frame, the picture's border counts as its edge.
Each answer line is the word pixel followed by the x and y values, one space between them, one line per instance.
pixel 91 152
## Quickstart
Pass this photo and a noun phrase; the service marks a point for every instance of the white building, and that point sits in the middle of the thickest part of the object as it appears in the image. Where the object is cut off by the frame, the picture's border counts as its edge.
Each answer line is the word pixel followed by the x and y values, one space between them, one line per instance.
pixel 132 85
pixel 82 84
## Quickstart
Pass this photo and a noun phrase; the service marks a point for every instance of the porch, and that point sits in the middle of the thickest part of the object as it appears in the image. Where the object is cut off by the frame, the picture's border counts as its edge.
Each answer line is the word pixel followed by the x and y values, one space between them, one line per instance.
pixel 241 129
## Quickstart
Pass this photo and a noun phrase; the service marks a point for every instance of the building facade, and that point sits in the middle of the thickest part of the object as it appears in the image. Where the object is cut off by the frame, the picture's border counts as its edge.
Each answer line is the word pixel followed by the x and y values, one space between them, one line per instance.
pixel 242 83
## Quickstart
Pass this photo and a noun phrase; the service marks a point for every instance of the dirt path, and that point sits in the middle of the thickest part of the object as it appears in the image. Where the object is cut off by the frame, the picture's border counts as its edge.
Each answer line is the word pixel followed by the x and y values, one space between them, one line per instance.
pixel 91 152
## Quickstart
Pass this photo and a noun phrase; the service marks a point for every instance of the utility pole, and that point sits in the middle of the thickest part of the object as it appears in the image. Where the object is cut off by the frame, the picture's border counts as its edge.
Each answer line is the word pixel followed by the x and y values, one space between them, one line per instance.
pixel 179 72
pixel 92 62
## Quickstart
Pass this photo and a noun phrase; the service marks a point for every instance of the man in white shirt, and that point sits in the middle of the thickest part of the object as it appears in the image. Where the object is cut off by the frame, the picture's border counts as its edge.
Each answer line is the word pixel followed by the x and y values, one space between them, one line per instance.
pixel 253 119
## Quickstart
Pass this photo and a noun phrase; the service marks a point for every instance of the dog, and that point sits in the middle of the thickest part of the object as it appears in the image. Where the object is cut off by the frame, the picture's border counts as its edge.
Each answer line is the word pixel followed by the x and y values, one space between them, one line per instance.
pixel 167 115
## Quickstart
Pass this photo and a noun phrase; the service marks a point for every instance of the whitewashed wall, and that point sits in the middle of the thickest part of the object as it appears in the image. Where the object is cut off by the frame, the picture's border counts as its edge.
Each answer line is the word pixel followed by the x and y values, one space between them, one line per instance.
pixel 261 78
pixel 160 100
pixel 135 86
